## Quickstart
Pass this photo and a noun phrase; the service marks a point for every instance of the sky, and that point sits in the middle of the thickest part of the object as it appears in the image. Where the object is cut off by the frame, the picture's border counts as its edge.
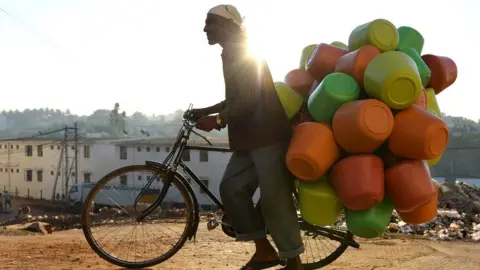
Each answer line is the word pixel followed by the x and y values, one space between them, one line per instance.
pixel 152 56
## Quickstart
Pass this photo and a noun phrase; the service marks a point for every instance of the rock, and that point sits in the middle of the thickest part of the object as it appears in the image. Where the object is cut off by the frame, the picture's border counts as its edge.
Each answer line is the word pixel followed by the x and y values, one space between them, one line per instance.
pixel 23 211
pixel 476 207
pixel 41 227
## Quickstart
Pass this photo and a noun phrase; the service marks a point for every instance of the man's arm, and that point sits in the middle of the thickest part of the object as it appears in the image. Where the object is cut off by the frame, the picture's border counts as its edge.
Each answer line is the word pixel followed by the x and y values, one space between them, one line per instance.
pixel 250 77
pixel 216 108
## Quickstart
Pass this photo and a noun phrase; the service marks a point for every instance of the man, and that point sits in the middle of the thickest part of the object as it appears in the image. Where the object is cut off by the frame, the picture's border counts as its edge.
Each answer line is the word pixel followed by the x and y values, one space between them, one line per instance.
pixel 8 200
pixel 259 132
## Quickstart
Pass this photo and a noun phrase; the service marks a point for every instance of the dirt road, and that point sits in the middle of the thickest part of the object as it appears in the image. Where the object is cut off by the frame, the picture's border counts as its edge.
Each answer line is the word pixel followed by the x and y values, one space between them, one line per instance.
pixel 69 250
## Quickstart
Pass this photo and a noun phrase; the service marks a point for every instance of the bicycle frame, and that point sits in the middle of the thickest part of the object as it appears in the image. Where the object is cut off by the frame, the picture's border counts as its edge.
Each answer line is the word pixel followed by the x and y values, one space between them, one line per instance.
pixel 174 160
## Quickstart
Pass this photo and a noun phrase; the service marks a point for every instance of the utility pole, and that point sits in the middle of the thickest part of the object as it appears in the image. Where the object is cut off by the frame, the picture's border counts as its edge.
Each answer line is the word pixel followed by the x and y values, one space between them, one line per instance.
pixel 76 153
pixel 8 167
pixel 57 173
pixel 65 145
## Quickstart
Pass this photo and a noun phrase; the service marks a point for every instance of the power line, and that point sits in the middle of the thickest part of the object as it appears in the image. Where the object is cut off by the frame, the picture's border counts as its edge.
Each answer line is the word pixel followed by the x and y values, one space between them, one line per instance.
pixel 40 134
pixel 40 36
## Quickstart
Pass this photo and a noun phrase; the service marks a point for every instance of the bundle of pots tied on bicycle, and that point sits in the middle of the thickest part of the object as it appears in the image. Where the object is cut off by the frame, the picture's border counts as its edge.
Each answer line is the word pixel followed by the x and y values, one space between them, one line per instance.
pixel 369 128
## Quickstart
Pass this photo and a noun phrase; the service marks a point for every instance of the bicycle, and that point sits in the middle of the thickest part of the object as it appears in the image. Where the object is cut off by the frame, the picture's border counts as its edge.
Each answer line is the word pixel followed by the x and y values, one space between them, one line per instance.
pixel 168 170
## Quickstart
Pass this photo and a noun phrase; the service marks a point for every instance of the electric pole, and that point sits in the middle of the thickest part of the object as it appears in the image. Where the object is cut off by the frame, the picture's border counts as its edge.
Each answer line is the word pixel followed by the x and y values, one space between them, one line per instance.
pixel 57 173
pixel 76 153
pixel 65 140
pixel 8 167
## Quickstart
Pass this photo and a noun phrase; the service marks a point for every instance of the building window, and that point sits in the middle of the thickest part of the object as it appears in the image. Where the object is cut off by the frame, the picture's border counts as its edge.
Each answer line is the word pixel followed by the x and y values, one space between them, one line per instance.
pixel 40 175
pixel 28 175
pixel 167 149
pixel 11 146
pixel 123 152
pixel 58 147
pixel 186 155
pixel 148 148
pixel 139 178
pixel 52 147
pixel 18 170
pixel 1 169
pixel 52 173
pixel 87 177
pixel 18 146
pixel 123 180
pixel 205 182
pixel 148 178
pixel 40 150
pixel 157 149
pixel 86 151
pixel 28 150
pixel 203 156
pixel 11 170
pixel 73 147
pixel 139 149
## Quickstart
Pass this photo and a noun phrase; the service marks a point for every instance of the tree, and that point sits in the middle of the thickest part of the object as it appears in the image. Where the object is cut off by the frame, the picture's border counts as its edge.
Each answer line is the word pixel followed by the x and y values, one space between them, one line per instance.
pixel 139 118
pixel 117 120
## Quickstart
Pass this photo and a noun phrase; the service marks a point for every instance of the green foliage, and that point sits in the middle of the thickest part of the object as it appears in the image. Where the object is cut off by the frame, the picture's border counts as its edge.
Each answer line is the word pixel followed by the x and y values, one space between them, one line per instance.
pixel 101 123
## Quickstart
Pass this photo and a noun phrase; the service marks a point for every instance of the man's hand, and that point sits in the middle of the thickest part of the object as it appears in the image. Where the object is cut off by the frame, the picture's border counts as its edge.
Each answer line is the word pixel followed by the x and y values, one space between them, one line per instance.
pixel 207 123
pixel 195 114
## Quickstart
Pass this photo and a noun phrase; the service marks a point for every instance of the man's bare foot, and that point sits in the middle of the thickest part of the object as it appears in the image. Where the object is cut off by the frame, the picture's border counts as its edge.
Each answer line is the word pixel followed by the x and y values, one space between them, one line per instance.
pixel 265 256
pixel 294 264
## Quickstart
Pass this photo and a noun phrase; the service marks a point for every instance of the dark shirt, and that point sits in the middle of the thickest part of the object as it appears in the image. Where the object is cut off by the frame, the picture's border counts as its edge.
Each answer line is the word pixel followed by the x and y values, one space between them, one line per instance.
pixel 252 109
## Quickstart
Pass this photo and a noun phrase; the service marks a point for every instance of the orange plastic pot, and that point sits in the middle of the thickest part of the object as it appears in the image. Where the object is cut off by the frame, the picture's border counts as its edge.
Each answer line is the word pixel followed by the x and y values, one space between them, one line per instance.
pixel 312 151
pixel 359 181
pixel 299 80
pixel 323 60
pixel 423 214
pixel 361 126
pixel 418 134
pixel 444 71
pixel 354 63
pixel 409 185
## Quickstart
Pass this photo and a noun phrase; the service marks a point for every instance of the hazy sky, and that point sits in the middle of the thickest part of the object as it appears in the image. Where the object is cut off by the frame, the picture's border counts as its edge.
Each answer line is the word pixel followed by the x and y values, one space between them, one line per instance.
pixel 152 56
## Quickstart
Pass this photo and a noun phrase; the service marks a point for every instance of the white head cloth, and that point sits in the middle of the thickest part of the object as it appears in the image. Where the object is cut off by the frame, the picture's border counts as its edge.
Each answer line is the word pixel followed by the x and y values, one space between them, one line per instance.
pixel 227 12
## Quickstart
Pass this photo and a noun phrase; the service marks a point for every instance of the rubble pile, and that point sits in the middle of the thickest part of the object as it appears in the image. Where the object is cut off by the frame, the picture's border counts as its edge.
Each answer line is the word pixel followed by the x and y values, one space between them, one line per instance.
pixel 462 197
pixel 458 215
pixel 448 225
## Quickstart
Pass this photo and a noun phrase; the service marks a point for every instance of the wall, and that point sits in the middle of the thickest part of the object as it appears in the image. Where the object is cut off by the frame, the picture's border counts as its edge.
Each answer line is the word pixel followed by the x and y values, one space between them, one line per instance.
pixel 13 177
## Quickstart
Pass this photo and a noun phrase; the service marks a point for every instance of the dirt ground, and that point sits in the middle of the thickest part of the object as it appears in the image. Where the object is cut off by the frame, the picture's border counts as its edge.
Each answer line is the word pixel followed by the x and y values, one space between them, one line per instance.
pixel 212 250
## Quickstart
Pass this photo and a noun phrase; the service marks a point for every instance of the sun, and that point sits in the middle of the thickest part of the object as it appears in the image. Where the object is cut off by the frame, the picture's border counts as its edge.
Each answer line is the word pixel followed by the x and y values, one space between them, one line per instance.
pixel 256 50
pixel 256 46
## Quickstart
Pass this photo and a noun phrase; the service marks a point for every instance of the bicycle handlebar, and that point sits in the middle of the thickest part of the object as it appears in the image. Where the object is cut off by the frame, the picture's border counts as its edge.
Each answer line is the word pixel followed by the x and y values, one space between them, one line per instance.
pixel 190 125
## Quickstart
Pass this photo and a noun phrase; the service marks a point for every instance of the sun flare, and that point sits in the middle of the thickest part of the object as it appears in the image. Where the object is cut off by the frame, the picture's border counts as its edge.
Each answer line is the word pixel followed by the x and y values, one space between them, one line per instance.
pixel 256 45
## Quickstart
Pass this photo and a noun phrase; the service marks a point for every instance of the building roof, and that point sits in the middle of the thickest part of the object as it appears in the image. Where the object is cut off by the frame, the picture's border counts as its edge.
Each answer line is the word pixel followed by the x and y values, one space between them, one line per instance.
pixel 161 141
pixel 70 138
pixel 168 141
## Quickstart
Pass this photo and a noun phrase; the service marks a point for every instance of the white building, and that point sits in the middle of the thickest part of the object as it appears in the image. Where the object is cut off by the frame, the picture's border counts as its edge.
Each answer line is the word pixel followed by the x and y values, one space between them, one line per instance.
pixel 30 167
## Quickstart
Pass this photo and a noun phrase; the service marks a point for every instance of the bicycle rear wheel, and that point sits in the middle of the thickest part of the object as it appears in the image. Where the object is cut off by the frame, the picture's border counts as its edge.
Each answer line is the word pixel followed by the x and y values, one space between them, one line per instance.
pixel 323 245
pixel 166 228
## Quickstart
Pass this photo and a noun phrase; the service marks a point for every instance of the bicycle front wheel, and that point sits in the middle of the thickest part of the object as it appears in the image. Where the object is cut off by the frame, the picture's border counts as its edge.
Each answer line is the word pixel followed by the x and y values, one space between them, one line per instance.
pixel 111 227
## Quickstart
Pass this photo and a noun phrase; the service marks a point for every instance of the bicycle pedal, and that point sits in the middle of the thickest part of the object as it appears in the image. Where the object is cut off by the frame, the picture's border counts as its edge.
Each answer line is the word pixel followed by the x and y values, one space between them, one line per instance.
pixel 212 224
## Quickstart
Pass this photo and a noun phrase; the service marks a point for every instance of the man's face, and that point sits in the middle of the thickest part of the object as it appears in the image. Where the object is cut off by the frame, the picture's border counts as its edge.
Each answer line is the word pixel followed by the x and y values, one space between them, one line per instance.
pixel 214 28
